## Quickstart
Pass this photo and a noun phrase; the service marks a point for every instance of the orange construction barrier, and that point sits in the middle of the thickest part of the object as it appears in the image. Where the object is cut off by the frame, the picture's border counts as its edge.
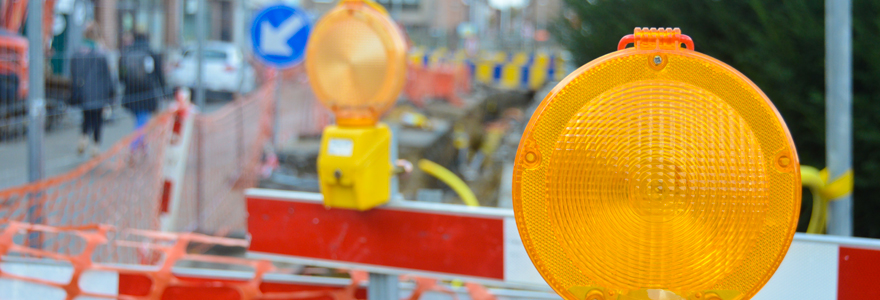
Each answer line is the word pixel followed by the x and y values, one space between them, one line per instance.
pixel 227 151
pixel 443 82
pixel 125 187
pixel 300 112
pixel 151 279
pixel 423 285
pixel 224 160
pixel 121 187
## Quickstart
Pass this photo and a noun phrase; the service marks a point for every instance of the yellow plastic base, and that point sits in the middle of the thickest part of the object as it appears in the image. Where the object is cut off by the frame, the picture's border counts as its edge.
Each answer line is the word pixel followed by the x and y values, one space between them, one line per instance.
pixel 354 166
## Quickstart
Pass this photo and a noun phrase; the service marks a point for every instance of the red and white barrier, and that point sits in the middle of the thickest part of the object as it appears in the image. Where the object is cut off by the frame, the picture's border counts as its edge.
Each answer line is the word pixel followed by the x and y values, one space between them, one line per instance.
pixel 827 267
pixel 174 167
pixel 483 245
pixel 417 238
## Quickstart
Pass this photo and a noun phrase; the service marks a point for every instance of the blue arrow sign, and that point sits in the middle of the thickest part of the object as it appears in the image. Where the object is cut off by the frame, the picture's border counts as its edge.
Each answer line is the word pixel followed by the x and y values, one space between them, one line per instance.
pixel 279 35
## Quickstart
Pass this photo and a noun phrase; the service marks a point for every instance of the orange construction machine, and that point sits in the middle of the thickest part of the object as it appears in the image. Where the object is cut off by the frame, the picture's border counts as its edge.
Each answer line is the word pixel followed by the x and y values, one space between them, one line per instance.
pixel 14 58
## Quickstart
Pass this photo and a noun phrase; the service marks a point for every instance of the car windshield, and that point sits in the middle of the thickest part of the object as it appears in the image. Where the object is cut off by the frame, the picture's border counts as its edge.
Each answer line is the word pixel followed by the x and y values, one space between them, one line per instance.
pixel 209 54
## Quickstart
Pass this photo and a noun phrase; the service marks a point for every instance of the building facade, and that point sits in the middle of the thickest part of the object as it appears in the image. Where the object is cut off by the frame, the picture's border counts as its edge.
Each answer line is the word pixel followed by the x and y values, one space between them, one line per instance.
pixel 430 23
pixel 441 23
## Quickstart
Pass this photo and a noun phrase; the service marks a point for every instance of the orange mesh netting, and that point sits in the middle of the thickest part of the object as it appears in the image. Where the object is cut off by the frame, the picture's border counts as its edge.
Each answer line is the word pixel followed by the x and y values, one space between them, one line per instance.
pixel 224 159
pixel 158 280
pixel 301 114
pixel 120 187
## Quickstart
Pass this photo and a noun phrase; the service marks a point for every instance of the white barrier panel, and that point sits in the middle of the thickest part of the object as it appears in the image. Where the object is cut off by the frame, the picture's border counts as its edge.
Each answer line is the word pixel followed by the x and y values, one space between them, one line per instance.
pixel 816 267
pixel 174 166
pixel 99 282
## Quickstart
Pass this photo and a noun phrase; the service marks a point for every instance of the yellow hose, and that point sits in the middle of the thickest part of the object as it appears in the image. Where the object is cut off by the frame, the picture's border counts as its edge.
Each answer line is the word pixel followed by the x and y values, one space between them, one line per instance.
pixel 450 179
pixel 812 179
pixel 824 192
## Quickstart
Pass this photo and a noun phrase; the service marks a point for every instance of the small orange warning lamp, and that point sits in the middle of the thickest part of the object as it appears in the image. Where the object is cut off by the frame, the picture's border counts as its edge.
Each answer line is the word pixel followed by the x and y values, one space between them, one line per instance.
pixel 356 63
pixel 656 172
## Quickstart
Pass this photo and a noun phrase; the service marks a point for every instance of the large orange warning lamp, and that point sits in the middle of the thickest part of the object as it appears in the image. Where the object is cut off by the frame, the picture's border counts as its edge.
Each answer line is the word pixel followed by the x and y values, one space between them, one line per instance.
pixel 356 62
pixel 656 172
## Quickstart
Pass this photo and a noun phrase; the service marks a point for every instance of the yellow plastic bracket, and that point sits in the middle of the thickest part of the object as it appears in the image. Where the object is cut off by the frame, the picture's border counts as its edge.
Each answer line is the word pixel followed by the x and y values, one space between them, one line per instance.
pixel 354 166
pixel 590 293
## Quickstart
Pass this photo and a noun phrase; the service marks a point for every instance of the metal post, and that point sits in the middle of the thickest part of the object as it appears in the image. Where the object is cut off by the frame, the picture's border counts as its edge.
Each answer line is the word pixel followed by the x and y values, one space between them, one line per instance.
pixel 200 177
pixel 277 125
pixel 200 59
pixel 383 287
pixel 472 12
pixel 36 96
pixel 181 30
pixel 538 19
pixel 239 128
pixel 150 22
pixel 505 27
pixel 36 113
pixel 838 105
pixel 523 44
pixel 157 38
pixel 396 9
pixel 395 181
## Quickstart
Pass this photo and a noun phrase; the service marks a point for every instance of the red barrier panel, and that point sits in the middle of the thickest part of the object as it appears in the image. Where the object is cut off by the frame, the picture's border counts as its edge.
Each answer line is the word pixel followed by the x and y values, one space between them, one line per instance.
pixel 385 237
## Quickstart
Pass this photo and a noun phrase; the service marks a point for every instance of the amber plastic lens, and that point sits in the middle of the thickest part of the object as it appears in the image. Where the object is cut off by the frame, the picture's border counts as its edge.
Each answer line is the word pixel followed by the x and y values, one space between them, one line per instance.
pixel 681 178
pixel 356 62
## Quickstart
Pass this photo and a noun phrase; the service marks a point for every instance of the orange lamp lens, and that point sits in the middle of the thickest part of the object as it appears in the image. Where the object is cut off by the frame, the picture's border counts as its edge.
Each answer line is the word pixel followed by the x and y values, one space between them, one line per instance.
pixel 356 63
pixel 656 169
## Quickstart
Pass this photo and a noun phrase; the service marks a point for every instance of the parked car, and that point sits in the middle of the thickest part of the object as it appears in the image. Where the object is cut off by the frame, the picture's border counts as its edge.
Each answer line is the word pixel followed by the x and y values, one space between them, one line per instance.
pixel 225 69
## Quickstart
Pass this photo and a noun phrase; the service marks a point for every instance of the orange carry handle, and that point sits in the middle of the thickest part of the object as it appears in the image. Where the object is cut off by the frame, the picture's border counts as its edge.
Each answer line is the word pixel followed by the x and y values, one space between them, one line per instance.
pixel 653 38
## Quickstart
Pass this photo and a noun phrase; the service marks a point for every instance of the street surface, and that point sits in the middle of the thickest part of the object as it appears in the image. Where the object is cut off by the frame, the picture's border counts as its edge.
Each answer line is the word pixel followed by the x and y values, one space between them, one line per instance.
pixel 60 143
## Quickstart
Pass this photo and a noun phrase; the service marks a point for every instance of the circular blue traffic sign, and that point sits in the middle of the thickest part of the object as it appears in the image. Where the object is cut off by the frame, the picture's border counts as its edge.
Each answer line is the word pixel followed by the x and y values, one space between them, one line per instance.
pixel 279 35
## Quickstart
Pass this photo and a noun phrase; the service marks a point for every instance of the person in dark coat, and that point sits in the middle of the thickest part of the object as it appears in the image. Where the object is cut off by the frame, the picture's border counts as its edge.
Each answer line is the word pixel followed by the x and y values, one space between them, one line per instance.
pixel 92 87
pixel 143 90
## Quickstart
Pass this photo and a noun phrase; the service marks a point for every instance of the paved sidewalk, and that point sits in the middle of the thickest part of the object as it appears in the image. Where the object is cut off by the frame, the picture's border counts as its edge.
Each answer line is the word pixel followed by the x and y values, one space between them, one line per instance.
pixel 60 143
pixel 59 146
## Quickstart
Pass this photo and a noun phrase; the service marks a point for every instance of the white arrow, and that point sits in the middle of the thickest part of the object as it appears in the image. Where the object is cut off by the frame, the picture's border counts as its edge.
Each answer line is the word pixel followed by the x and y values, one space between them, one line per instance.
pixel 273 40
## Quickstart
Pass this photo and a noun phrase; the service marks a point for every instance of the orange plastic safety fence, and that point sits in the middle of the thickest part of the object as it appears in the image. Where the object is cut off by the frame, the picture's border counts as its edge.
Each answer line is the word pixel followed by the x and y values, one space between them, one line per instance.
pixel 444 82
pixel 300 112
pixel 120 187
pixel 475 291
pixel 428 285
pixel 479 292
pixel 224 160
pixel 153 282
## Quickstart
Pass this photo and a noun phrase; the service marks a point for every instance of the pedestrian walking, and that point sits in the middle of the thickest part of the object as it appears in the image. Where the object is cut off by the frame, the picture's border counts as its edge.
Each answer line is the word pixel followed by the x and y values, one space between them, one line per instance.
pixel 92 87
pixel 140 70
